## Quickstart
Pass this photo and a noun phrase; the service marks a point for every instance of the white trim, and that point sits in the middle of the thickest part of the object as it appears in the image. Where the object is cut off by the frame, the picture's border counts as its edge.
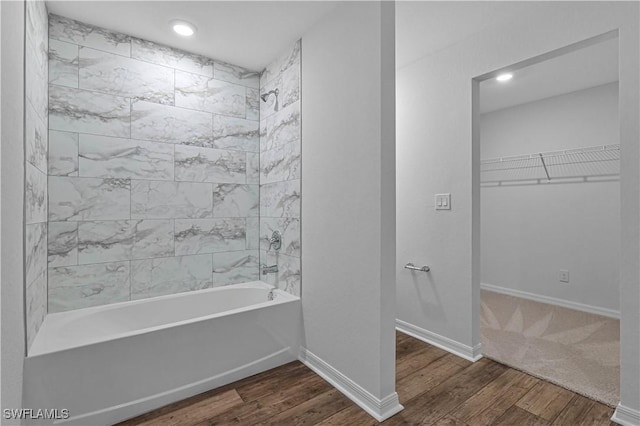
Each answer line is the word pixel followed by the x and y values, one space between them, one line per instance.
pixel 379 409
pixel 626 416
pixel 596 310
pixel 469 353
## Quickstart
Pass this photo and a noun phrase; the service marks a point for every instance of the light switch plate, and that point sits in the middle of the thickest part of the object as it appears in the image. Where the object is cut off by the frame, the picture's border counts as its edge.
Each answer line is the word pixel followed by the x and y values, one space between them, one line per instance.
pixel 443 201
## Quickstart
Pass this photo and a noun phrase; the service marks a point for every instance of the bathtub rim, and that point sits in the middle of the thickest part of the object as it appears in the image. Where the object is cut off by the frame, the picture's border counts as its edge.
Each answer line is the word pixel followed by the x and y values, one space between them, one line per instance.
pixel 78 314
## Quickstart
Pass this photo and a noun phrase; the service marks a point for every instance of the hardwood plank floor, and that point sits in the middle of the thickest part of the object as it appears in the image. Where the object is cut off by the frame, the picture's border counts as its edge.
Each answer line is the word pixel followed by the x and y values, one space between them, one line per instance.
pixel 435 387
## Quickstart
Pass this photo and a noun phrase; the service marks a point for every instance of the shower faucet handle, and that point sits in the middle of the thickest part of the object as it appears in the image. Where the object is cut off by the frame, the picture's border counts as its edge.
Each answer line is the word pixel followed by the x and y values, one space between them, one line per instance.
pixel 275 241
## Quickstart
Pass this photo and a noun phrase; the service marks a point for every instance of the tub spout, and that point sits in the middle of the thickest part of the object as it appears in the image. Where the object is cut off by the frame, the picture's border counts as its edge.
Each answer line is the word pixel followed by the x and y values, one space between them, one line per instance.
pixel 270 296
pixel 269 269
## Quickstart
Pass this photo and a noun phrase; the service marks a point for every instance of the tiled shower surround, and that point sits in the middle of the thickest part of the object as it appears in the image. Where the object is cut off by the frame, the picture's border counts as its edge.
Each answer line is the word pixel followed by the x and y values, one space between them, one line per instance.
pixel 280 168
pixel 35 166
pixel 154 170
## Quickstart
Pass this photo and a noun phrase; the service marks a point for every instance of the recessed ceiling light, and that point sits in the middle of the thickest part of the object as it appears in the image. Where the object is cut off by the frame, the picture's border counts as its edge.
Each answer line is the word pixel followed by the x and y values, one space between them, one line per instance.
pixel 504 77
pixel 183 28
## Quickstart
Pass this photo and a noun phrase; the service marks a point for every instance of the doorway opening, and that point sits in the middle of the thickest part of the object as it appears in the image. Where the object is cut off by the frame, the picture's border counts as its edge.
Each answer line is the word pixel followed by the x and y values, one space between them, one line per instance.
pixel 547 195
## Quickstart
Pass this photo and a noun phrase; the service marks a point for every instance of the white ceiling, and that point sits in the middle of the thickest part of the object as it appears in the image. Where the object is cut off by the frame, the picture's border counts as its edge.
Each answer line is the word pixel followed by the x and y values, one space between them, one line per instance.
pixel 246 33
pixel 253 33
pixel 426 27
pixel 588 67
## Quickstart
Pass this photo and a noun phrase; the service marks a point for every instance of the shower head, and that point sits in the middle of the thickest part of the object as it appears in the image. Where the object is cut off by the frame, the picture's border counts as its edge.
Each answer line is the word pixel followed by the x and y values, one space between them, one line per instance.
pixel 265 96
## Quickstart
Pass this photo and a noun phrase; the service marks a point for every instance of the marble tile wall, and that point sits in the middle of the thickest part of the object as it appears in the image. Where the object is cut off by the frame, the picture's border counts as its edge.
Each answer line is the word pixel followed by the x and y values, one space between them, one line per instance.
pixel 36 116
pixel 279 161
pixel 153 167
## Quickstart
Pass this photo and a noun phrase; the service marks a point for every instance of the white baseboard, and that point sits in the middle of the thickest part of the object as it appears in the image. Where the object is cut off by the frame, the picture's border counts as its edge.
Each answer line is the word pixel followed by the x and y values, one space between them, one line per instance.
pixel 552 301
pixel 467 352
pixel 626 416
pixel 379 409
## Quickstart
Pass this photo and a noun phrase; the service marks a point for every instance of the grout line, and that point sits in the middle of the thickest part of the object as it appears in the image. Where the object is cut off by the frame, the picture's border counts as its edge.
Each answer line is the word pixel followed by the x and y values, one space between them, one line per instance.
pixel 151 141
pixel 137 100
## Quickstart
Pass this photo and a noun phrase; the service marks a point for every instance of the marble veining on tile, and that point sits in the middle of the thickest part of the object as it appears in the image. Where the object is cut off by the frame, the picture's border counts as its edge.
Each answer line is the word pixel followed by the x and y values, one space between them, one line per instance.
pixel 36 306
pixel 35 195
pixel 152 238
pixel 211 95
pixel 288 276
pixel 253 167
pixel 235 267
pixel 281 199
pixel 226 98
pixel 63 63
pixel 63 153
pixel 167 200
pixel 35 138
pixel 196 236
pixel 104 241
pixel 164 123
pixel 36 23
pixel 290 85
pixel 75 287
pixel 170 275
pixel 75 198
pixel 104 156
pixel 35 162
pixel 284 61
pixel 36 56
pixel 74 110
pixel 36 250
pixel 235 74
pixel 170 57
pixel 282 127
pixel 253 104
pixel 35 84
pixel 289 228
pixel 235 133
pixel 70 31
pixel 63 243
pixel 197 164
pixel 161 163
pixel 108 241
pixel 234 200
pixel 253 233
pixel 120 76
pixel 281 163
pixel 191 91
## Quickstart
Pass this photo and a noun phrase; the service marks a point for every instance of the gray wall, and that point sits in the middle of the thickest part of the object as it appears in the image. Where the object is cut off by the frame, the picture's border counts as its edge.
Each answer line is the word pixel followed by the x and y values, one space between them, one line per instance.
pixel 36 117
pixel 280 169
pixel 12 213
pixel 530 232
pixel 435 155
pixel 348 227
pixel 153 178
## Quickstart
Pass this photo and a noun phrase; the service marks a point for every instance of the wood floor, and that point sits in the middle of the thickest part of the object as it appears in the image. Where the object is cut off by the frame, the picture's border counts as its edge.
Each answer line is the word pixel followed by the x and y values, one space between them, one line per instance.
pixel 435 387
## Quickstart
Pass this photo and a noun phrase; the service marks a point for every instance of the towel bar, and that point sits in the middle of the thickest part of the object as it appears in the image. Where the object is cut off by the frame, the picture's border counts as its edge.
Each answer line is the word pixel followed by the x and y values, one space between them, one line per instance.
pixel 412 267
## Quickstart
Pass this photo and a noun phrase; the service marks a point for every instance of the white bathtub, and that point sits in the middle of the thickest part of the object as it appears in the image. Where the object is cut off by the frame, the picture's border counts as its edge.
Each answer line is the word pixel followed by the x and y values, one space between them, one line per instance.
pixel 109 363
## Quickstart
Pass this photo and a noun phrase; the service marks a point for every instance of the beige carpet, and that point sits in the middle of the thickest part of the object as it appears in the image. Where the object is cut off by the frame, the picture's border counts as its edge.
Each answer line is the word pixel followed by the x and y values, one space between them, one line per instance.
pixel 576 350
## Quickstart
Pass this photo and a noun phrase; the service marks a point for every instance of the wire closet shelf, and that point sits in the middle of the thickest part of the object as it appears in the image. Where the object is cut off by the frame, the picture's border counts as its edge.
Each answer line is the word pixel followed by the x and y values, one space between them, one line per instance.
pixel 573 164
